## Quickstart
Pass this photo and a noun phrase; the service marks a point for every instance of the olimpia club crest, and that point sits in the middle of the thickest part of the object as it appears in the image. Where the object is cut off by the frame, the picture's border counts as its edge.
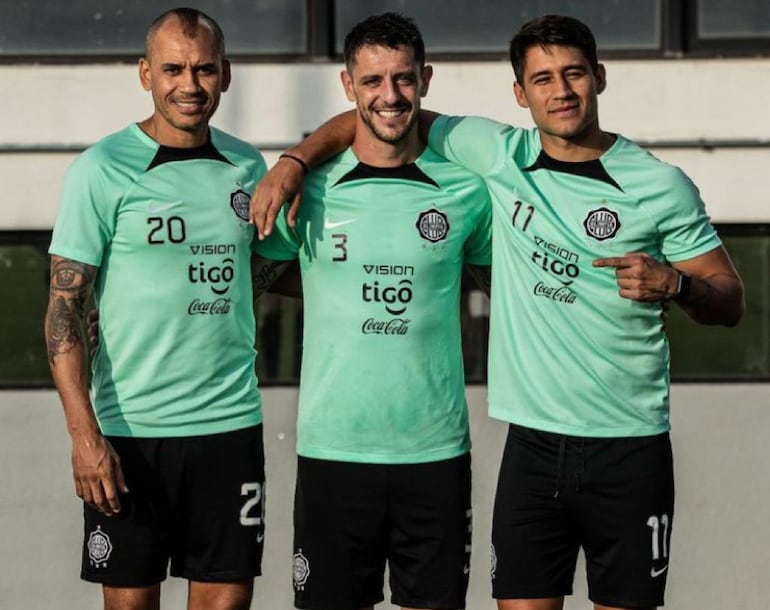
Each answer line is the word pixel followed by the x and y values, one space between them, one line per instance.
pixel 99 548
pixel 301 570
pixel 602 224
pixel 432 225
pixel 492 561
pixel 239 201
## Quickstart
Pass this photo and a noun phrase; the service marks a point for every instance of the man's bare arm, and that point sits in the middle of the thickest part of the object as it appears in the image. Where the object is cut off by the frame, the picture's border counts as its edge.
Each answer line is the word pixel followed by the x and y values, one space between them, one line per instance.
pixel 95 465
pixel 715 292
pixel 284 180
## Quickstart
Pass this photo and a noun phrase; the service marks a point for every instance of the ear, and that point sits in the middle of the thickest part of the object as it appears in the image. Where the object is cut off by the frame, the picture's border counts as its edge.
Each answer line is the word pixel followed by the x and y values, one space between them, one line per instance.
pixel 601 78
pixel 226 75
pixel 521 96
pixel 144 74
pixel 347 85
pixel 427 74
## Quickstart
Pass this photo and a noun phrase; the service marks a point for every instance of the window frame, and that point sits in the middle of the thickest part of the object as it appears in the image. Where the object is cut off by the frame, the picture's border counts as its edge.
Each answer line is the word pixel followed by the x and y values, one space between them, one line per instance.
pixel 723 46
pixel 678 28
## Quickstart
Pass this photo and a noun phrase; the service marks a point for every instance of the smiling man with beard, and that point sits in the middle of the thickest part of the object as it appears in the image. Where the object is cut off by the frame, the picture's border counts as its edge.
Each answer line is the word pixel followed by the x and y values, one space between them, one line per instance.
pixel 382 431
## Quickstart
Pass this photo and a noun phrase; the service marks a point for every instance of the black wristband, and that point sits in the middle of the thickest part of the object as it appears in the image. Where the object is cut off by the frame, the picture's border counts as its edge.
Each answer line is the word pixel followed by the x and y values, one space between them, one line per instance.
pixel 683 287
pixel 303 165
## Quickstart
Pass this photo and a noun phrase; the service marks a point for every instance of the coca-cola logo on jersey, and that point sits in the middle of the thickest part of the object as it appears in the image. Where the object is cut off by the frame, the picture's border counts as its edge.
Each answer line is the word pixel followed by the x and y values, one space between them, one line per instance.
pixel 216 307
pixel 559 294
pixel 396 326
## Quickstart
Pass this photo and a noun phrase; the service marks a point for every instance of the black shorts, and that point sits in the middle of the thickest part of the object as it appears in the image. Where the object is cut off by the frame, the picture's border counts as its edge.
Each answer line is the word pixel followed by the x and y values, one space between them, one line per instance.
pixel 350 518
pixel 196 501
pixel 612 496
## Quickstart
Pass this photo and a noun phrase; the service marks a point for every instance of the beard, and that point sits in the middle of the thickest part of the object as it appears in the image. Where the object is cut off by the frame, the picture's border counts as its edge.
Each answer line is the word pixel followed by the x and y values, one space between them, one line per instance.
pixel 390 136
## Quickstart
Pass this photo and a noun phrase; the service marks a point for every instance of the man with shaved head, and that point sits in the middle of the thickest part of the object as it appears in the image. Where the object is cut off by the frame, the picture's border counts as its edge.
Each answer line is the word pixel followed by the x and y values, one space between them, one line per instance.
pixel 167 448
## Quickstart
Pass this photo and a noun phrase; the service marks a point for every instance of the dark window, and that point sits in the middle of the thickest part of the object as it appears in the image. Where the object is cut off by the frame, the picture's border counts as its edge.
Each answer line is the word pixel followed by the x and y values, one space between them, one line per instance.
pixel 737 27
pixel 714 353
pixel 486 26
pixel 24 271
pixel 107 28
pixel 734 19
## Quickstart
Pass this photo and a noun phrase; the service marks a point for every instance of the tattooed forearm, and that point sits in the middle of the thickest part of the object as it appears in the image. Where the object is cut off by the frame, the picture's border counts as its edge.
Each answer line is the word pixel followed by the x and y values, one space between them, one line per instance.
pixel 264 272
pixel 63 328
pixel 71 284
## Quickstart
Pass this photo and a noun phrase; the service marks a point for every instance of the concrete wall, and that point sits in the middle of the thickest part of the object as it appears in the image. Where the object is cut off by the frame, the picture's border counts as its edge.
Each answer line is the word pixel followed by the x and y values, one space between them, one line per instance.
pixel 272 105
pixel 721 536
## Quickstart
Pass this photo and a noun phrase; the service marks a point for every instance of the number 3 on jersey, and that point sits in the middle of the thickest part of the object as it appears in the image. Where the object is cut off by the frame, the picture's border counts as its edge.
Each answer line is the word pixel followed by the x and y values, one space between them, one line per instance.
pixel 341 241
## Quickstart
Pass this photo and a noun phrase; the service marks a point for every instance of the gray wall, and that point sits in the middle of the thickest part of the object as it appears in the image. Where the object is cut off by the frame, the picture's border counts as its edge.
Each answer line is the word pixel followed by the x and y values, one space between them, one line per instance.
pixel 721 536
pixel 648 100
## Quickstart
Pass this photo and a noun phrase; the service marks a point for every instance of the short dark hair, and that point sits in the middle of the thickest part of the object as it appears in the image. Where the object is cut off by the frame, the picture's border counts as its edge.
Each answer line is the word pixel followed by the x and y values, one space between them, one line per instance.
pixel 549 30
pixel 190 18
pixel 389 30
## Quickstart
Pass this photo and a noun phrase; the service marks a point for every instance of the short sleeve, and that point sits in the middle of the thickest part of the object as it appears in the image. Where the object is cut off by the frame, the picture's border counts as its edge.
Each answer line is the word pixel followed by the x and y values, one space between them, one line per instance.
pixel 475 143
pixel 683 224
pixel 87 214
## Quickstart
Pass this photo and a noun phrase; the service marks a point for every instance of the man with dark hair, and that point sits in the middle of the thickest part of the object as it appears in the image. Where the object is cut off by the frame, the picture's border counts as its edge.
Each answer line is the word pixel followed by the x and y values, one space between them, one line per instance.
pixel 594 237
pixel 390 30
pixel 383 474
pixel 168 458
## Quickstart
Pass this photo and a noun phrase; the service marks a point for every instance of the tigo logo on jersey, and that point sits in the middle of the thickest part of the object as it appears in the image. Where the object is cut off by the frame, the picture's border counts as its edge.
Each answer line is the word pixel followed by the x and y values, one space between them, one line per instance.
pixel 432 225
pixel 99 548
pixel 239 201
pixel 602 224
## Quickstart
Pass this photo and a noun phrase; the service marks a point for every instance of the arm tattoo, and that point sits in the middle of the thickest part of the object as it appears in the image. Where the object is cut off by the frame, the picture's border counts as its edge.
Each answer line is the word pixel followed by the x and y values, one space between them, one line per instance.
pixel 71 284
pixel 264 272
pixel 482 274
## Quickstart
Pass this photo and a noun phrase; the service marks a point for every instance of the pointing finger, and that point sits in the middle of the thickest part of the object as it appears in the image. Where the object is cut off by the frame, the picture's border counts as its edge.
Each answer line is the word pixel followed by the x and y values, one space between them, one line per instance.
pixel 612 261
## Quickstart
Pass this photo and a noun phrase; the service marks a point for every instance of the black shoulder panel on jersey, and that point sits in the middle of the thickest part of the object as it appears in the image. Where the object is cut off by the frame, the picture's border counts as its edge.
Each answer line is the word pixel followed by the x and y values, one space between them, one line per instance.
pixel 169 154
pixel 410 171
pixel 588 169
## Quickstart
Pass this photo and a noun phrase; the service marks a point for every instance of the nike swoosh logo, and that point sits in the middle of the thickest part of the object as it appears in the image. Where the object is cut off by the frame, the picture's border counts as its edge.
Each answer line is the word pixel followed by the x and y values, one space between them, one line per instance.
pixel 260 538
pixel 466 569
pixel 328 224
pixel 655 573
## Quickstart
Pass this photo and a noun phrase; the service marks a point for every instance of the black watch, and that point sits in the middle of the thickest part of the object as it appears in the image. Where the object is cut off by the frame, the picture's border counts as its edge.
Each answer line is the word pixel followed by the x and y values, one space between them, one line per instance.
pixel 683 286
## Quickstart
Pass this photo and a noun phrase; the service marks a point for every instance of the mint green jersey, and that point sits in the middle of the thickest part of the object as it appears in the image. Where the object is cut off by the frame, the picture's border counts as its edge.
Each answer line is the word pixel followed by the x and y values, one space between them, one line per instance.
pixel 381 252
pixel 567 354
pixel 168 230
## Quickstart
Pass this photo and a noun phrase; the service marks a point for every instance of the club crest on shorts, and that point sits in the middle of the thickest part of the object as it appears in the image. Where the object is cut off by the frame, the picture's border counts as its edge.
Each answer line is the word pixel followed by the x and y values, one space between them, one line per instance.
pixel 239 201
pixel 602 224
pixel 99 548
pixel 492 561
pixel 300 570
pixel 432 225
